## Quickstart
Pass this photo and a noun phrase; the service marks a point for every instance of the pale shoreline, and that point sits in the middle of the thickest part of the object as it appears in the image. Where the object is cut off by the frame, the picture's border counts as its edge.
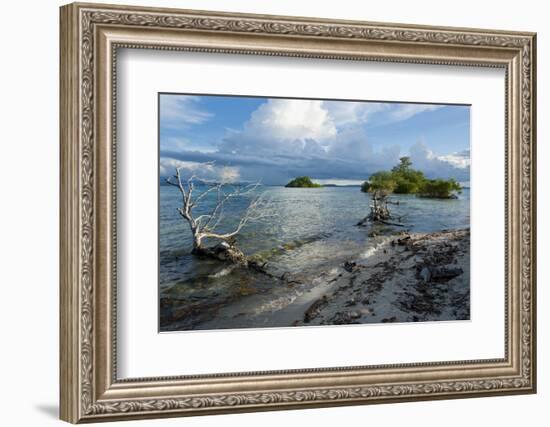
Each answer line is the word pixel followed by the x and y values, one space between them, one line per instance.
pixel 411 277
pixel 408 277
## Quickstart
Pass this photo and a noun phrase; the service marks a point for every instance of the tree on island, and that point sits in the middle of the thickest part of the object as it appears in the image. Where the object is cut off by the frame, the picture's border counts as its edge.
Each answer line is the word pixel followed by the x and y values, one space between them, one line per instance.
pixel 440 188
pixel 407 179
pixel 204 226
pixel 403 179
pixel 382 181
pixel 365 187
pixel 302 182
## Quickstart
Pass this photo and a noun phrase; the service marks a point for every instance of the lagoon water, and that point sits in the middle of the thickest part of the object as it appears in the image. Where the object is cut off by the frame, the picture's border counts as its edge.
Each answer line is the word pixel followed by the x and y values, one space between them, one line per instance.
pixel 313 230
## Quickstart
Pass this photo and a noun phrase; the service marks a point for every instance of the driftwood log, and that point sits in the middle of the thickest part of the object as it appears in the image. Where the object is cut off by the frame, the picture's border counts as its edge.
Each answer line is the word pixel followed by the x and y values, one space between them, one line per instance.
pixel 223 251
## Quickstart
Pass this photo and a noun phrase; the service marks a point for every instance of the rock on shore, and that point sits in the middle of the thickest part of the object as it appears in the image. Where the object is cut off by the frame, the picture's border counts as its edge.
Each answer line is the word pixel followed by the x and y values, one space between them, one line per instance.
pixel 412 277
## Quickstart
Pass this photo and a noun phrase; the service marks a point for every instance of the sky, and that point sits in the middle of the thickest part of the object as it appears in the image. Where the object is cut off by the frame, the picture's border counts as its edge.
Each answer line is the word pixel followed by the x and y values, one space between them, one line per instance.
pixel 273 140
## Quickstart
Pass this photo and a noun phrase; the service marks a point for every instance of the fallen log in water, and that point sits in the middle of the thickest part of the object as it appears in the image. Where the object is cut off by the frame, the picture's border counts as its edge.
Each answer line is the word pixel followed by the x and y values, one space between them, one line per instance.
pixel 391 223
pixel 223 251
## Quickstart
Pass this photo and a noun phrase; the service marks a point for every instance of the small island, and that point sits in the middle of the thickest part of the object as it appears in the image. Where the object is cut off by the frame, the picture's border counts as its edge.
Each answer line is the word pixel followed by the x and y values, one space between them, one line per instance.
pixel 403 179
pixel 302 182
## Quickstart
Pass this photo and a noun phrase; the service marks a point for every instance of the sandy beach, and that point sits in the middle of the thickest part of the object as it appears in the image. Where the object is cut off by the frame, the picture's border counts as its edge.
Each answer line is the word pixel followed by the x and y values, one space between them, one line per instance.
pixel 406 277
pixel 411 277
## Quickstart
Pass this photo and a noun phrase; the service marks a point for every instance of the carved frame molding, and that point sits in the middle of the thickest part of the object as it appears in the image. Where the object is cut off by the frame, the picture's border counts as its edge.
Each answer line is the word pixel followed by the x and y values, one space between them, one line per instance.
pixel 90 36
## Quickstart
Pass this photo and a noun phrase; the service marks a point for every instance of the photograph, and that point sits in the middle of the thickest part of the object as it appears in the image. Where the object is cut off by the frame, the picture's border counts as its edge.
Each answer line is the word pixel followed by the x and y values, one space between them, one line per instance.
pixel 266 211
pixel 291 212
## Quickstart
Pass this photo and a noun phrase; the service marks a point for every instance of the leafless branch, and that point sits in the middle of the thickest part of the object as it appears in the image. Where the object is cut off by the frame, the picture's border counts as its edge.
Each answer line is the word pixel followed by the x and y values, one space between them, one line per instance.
pixel 204 225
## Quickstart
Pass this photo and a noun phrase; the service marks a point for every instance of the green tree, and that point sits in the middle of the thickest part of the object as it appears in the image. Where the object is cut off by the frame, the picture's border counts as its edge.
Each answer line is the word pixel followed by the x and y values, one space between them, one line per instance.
pixel 440 188
pixel 302 182
pixel 404 165
pixel 408 180
pixel 403 179
pixel 382 181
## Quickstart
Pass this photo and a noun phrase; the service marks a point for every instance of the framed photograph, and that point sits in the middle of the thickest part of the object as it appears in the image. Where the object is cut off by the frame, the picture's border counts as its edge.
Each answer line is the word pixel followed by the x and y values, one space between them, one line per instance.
pixel 266 212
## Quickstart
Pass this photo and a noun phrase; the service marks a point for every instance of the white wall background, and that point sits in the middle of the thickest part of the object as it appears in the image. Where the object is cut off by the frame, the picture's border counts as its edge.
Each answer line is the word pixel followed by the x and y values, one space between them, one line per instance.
pixel 29 170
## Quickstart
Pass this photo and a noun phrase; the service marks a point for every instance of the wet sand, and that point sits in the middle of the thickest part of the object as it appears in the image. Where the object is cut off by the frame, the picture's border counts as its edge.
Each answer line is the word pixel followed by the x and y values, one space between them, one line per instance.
pixel 412 277
pixel 407 277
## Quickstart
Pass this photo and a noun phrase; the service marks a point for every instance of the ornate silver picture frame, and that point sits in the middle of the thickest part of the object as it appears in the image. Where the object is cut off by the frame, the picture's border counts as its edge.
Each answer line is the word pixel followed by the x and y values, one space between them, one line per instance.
pixel 91 36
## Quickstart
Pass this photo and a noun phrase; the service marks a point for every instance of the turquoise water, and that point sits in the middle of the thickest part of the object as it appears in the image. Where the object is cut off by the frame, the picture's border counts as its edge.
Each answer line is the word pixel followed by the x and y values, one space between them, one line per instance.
pixel 312 230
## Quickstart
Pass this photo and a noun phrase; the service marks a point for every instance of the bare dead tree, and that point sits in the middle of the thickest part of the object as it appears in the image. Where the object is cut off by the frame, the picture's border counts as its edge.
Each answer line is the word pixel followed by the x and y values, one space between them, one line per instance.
pixel 379 210
pixel 205 225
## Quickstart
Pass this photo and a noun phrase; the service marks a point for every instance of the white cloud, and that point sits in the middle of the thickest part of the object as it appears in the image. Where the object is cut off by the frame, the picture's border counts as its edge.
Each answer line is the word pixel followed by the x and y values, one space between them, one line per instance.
pixel 292 119
pixel 168 166
pixel 175 144
pixel 285 127
pixel 459 160
pixel 440 167
pixel 307 129
pixel 178 111
pixel 348 112
pixel 315 128
pixel 229 174
pixel 339 181
pixel 351 143
pixel 345 113
pixel 285 138
pixel 401 112
pixel 203 170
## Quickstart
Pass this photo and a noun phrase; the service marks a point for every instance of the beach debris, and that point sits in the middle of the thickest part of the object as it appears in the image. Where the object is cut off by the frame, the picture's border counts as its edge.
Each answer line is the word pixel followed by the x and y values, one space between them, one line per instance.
pixel 419 279
pixel 351 302
pixel 313 311
pixel 425 274
pixel 444 272
pixel 345 318
pixel 438 273
pixel 404 240
pixel 349 266
pixel 416 286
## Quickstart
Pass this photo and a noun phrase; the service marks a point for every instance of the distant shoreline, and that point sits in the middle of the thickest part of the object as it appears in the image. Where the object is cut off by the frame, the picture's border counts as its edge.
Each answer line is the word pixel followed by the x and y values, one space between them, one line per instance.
pixel 164 184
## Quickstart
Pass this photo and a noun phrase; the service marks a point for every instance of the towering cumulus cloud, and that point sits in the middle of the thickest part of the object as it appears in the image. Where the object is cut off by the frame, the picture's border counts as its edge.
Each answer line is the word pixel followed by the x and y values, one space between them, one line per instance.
pixel 273 139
